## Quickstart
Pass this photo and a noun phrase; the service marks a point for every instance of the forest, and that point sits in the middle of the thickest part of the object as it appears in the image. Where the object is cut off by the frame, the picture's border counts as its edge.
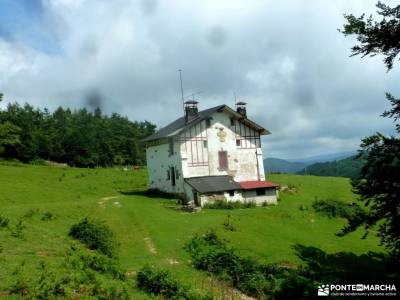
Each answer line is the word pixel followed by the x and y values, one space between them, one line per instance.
pixel 80 138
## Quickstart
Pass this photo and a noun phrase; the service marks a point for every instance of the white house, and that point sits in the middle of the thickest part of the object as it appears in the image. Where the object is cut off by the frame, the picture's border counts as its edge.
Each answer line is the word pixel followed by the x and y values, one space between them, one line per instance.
pixel 210 155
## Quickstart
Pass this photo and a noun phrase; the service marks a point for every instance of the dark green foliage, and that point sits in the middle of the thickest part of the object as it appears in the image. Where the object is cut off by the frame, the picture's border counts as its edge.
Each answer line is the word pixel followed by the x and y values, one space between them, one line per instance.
pixel 157 282
pixel 347 167
pixel 338 209
pixel 4 221
pixel 95 235
pixel 223 204
pixel 83 274
pixel 160 282
pixel 345 266
pixel 18 230
pixel 79 138
pixel 210 253
pixel 29 213
pixel 376 37
pixel 48 216
pixel 379 183
pixel 228 223
pixel 95 261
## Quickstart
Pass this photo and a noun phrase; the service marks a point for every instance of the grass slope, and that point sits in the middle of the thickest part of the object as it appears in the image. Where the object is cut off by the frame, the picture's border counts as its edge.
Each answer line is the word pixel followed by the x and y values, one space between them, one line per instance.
pixel 150 230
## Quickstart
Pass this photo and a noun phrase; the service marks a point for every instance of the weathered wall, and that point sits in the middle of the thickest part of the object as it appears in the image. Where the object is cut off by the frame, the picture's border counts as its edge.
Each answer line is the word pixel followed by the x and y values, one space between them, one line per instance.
pixel 245 162
pixel 159 162
pixel 221 196
pixel 271 196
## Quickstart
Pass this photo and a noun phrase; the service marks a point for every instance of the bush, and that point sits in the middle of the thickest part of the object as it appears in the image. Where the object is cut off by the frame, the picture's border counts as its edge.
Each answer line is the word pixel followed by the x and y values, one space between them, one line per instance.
pixel 83 260
pixel 4 221
pixel 333 209
pixel 17 231
pixel 160 282
pixel 157 282
pixel 223 204
pixel 48 216
pixel 263 281
pixel 211 254
pixel 84 274
pixel 29 213
pixel 38 162
pixel 95 235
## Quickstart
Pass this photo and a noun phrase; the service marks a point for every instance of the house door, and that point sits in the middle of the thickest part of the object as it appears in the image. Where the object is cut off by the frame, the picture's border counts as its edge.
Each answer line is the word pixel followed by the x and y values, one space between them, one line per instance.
pixel 173 176
pixel 223 160
pixel 196 198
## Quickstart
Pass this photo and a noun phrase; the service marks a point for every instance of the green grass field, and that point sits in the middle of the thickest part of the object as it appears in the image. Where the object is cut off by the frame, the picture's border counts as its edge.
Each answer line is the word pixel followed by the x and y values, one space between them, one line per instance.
pixel 151 230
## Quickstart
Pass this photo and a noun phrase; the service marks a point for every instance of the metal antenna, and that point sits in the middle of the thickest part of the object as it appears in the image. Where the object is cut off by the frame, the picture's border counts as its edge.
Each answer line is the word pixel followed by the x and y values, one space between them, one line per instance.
pixel 183 100
pixel 234 95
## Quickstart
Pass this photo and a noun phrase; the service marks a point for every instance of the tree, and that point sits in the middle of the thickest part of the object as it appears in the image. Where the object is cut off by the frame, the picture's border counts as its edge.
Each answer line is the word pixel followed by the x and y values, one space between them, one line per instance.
pixel 374 37
pixel 379 183
pixel 9 136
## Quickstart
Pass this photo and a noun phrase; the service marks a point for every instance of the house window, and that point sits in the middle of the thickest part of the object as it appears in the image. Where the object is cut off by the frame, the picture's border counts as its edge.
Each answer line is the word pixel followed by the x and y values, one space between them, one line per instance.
pixel 168 175
pixel 238 143
pixel 223 160
pixel 173 176
pixel 232 122
pixel 260 192
pixel 208 122
pixel 231 193
pixel 171 147
pixel 205 144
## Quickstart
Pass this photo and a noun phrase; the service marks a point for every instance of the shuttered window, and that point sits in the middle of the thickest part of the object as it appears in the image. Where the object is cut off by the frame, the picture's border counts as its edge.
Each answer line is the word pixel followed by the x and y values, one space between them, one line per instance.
pixel 223 160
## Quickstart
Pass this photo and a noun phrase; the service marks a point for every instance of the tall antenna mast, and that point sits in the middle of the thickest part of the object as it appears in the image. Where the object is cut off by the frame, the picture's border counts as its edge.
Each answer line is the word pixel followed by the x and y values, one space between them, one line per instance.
pixel 234 95
pixel 183 99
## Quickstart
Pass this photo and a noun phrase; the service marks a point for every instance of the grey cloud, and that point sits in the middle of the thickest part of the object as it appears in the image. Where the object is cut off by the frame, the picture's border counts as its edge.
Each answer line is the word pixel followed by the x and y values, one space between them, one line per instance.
pixel 286 59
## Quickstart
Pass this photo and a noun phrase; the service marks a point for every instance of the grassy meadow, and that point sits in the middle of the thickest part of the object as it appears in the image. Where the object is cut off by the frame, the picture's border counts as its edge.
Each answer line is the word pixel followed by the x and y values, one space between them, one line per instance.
pixel 151 230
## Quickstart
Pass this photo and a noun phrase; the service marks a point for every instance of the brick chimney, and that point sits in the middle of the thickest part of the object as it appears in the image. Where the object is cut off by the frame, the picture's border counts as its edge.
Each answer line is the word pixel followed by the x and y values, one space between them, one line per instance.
pixel 191 110
pixel 241 108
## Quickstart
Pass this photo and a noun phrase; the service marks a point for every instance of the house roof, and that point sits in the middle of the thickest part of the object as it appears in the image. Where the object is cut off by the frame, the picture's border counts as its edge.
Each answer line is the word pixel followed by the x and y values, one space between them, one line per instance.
pixel 180 124
pixel 209 184
pixel 249 185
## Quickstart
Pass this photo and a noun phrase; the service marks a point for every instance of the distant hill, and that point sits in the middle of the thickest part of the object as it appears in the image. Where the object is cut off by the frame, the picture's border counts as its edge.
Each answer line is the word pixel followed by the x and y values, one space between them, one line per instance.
pixel 347 167
pixel 324 157
pixel 277 165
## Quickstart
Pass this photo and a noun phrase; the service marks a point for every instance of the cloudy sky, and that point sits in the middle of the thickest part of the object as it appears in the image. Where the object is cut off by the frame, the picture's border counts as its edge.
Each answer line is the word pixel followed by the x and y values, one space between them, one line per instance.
pixel 285 58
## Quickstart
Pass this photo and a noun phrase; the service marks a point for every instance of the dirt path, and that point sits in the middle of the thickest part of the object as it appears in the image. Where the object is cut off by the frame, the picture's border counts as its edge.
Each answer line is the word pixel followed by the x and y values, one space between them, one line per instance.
pixel 150 245
pixel 103 200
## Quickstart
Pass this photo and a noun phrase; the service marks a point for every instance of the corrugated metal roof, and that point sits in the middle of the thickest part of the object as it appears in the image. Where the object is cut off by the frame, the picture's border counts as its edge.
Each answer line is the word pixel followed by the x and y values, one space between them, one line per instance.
pixel 178 125
pixel 249 185
pixel 210 184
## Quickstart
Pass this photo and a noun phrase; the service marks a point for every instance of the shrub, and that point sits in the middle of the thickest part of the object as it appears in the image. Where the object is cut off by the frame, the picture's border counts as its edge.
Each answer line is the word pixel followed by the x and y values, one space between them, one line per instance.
pixel 211 254
pixel 263 281
pixel 48 216
pixel 38 162
pixel 95 235
pixel 223 204
pixel 4 221
pixel 82 260
pixel 333 208
pixel 29 213
pixel 160 282
pixel 17 231
pixel 73 279
pixel 228 223
pixel 157 282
